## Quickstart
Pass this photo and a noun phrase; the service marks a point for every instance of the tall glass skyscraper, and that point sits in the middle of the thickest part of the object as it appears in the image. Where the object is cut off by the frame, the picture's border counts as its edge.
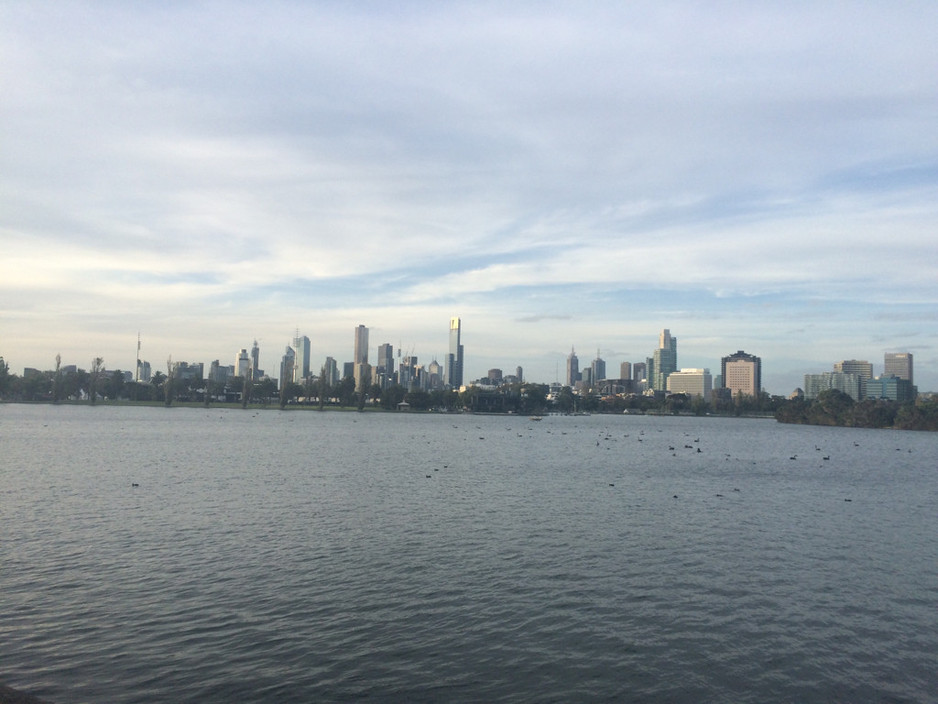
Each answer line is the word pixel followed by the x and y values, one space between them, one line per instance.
pixel 663 362
pixel 454 360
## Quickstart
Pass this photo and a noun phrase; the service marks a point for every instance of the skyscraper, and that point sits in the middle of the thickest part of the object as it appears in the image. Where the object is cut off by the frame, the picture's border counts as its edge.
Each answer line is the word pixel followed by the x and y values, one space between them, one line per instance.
pixel 573 368
pixel 287 364
pixel 385 366
pixel 243 363
pixel 625 370
pixel 301 364
pixel 361 345
pixel 597 369
pixel 899 364
pixel 663 362
pixel 742 374
pixel 454 360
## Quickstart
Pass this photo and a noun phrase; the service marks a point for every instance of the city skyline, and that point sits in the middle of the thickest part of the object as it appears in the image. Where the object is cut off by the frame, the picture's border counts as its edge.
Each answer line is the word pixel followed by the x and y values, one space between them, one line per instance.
pixel 756 177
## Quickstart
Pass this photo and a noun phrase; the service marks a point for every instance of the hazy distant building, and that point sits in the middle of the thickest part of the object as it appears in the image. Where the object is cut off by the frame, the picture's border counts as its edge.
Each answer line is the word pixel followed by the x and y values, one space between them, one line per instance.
pixel 898 364
pixel 849 384
pixel 143 371
pixel 625 370
pixel 639 374
pixel 407 372
pixel 742 374
pixel 434 375
pixel 331 371
pixel 573 368
pixel 494 375
pixel 891 388
pixel 348 370
pixel 361 345
pixel 384 368
pixel 217 373
pixel 693 382
pixel 597 369
pixel 287 366
pixel 454 360
pixel 663 362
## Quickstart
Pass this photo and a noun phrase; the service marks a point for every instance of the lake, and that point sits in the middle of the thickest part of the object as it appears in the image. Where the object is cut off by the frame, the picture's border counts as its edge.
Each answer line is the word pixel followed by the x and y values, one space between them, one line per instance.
pixel 229 555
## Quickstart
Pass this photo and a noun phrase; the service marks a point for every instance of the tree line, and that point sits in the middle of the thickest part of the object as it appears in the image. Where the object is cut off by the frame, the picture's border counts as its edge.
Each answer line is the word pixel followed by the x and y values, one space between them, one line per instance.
pixel 833 407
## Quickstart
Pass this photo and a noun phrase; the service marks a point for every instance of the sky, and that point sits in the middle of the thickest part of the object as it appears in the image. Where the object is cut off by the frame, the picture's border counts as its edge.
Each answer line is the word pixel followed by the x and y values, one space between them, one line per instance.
pixel 752 176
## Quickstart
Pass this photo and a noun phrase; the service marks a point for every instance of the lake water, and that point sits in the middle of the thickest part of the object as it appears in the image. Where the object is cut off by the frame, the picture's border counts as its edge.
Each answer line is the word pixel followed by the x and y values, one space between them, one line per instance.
pixel 312 557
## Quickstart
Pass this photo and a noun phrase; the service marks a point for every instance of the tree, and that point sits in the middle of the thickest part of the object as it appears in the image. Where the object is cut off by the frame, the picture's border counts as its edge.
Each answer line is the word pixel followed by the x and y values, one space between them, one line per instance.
pixel 323 387
pixel 57 381
pixel 5 379
pixel 169 390
pixel 115 385
pixel 345 390
pixel 97 367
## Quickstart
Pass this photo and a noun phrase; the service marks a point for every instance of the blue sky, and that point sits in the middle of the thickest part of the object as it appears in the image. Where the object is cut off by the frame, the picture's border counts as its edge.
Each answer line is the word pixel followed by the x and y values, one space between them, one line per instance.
pixel 756 176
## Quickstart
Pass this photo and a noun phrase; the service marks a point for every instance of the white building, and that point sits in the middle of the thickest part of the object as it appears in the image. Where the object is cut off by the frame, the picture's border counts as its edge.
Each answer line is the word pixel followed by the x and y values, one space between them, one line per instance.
pixel 693 382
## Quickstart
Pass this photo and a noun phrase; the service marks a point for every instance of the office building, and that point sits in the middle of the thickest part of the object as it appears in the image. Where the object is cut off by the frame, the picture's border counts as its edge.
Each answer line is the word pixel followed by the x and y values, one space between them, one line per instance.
pixel 384 368
pixel 243 363
pixel 742 374
pixel 693 382
pixel 663 362
pixel 287 366
pixel 301 362
pixel 454 360
pixel 899 364
pixel 849 384
pixel 625 370
pixel 361 345
pixel 330 369
pixel 890 388
pixel 597 369
pixel 573 368
pixel 862 368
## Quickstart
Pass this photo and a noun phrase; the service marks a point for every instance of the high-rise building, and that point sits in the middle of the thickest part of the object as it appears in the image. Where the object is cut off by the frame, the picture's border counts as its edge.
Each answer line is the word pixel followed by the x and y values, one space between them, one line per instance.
pixel 899 364
pixel 861 368
pixel 625 370
pixel 742 374
pixel 287 365
pixel 255 362
pixel 361 345
pixel 331 371
pixel 385 365
pixel 573 368
pixel 597 369
pixel 693 382
pixel 454 360
pixel 639 372
pixel 301 364
pixel 242 363
pixel 663 362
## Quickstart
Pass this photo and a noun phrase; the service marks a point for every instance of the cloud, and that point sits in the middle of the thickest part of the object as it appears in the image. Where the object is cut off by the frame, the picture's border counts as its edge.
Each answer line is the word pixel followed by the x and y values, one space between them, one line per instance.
pixel 589 174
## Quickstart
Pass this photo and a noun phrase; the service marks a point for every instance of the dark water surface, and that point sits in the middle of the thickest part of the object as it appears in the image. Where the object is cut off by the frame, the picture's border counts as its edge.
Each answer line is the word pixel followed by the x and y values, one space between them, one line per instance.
pixel 308 557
